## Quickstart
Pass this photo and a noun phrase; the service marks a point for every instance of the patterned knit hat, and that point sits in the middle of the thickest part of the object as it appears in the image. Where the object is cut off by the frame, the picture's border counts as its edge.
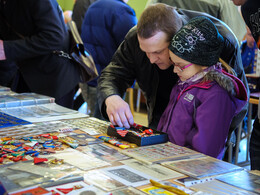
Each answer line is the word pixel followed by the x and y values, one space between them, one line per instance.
pixel 198 42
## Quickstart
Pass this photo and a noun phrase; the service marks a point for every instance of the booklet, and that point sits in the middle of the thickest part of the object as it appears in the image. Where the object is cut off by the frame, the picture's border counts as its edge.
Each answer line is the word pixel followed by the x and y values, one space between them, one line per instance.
pixel 202 167
pixel 242 179
pixel 161 152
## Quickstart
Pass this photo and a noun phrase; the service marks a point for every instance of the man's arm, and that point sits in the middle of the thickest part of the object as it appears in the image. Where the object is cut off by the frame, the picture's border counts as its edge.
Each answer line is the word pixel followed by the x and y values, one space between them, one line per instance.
pixel 115 79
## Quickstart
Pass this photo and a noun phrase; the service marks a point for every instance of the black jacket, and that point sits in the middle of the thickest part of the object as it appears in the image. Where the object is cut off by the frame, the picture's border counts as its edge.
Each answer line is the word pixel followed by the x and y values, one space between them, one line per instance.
pixel 36 30
pixel 130 63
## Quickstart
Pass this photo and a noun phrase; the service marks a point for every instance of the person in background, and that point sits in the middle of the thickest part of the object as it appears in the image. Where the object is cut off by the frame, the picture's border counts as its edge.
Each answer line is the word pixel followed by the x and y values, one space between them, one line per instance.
pixel 206 98
pixel 79 10
pixel 104 27
pixel 248 48
pixel 30 32
pixel 67 16
pixel 144 56
pixel 221 9
pixel 250 10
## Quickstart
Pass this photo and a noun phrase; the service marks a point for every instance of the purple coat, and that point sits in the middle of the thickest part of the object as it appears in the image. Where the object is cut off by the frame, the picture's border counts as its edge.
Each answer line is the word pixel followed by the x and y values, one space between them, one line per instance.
pixel 199 113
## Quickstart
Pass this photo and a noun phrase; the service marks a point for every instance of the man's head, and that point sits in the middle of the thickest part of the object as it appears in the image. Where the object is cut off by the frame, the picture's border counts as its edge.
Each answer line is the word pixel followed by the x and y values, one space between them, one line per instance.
pixel 156 27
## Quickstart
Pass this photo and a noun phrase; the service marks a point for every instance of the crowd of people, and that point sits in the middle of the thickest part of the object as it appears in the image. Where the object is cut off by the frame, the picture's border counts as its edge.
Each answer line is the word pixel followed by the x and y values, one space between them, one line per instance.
pixel 186 61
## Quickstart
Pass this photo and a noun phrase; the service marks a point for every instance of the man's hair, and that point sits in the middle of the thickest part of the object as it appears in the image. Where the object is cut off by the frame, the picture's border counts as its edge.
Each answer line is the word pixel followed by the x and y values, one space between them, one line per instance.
pixel 159 17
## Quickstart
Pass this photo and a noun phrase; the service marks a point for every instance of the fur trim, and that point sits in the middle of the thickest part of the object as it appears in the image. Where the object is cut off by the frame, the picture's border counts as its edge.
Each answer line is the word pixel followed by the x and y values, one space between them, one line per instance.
pixel 223 80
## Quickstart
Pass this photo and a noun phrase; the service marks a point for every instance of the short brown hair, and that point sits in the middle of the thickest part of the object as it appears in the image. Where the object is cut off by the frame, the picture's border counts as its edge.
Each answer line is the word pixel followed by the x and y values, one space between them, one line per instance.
pixel 159 17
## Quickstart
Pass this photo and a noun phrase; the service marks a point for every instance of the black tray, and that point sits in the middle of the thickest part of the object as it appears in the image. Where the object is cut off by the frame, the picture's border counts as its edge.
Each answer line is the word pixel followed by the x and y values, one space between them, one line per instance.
pixel 160 137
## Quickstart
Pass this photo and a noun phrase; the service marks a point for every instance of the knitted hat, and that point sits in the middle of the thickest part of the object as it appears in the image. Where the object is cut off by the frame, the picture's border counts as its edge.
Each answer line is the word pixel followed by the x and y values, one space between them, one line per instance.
pixel 198 42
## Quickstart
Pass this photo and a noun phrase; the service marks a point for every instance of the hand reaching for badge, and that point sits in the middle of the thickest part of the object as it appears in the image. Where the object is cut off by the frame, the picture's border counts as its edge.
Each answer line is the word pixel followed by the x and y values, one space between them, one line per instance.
pixel 119 112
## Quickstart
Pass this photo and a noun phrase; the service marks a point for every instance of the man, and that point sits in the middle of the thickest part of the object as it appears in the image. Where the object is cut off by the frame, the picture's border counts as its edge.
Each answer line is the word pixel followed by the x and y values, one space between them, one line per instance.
pixel 221 9
pixel 30 32
pixel 144 56
pixel 251 13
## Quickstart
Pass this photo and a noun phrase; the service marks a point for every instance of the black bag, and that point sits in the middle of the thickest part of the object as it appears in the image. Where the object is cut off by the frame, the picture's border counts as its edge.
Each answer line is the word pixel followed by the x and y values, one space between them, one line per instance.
pixel 79 55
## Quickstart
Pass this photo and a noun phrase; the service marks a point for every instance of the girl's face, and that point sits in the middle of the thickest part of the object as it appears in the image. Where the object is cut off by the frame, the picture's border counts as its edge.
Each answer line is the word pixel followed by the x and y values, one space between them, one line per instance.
pixel 183 68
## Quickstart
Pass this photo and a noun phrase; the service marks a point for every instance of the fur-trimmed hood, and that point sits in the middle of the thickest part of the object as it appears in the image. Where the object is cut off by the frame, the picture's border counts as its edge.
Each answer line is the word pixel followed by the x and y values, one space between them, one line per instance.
pixel 229 82
pixel 215 73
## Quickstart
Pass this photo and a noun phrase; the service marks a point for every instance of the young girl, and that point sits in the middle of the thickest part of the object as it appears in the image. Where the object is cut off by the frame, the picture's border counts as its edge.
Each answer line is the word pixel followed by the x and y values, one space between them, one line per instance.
pixel 206 98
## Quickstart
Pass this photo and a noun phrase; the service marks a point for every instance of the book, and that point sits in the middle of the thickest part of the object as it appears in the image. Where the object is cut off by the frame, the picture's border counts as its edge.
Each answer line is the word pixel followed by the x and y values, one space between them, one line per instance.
pixel 216 187
pixel 242 179
pixel 23 99
pixel 42 112
pixel 161 152
pixel 189 181
pixel 202 167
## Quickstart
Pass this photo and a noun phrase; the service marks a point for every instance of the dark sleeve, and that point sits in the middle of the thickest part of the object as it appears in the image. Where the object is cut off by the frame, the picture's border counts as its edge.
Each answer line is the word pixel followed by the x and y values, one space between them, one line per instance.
pixel 79 10
pixel 47 31
pixel 120 73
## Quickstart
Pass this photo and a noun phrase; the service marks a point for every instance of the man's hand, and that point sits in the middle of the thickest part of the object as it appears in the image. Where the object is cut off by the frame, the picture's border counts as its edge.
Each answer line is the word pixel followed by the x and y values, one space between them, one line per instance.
pixel 118 111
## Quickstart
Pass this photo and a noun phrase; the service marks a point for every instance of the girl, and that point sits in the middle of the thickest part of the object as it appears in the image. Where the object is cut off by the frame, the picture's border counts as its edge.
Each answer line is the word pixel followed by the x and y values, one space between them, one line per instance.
pixel 206 98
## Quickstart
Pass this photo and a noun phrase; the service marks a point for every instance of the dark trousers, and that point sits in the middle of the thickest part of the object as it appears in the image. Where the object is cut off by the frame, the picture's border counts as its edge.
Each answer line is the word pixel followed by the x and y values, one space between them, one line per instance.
pixel 254 147
pixel 19 85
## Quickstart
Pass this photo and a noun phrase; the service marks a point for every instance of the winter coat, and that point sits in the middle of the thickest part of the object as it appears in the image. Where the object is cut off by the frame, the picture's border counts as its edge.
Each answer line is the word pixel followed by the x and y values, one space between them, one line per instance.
pixel 104 27
pixel 41 25
pixel 130 63
pixel 200 112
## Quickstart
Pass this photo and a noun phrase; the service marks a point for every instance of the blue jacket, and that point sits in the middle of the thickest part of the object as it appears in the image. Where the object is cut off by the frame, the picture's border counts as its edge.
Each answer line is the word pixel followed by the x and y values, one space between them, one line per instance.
pixel 104 27
pixel 199 114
